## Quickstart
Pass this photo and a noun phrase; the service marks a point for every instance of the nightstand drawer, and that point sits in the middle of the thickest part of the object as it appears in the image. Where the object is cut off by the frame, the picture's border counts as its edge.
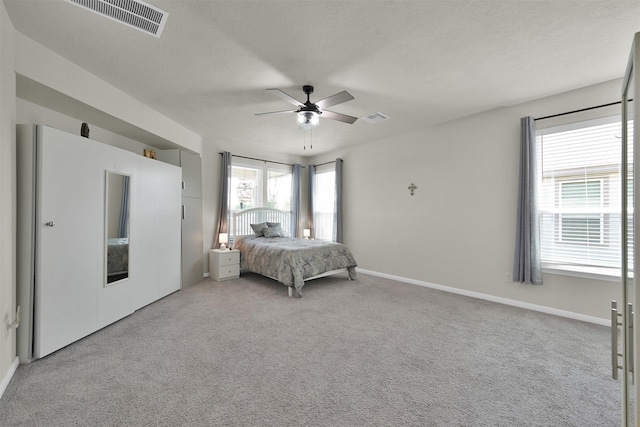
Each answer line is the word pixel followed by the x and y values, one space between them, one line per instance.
pixel 228 271
pixel 230 258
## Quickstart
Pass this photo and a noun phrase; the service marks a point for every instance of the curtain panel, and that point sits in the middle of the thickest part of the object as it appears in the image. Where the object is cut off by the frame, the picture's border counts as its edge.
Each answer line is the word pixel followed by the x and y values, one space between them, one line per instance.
pixel 296 200
pixel 223 213
pixel 527 264
pixel 123 222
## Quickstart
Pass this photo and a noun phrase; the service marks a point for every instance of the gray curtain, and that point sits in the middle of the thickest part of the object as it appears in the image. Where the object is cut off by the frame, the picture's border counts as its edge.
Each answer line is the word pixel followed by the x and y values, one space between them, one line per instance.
pixel 296 199
pixel 527 264
pixel 223 214
pixel 312 196
pixel 337 225
pixel 123 223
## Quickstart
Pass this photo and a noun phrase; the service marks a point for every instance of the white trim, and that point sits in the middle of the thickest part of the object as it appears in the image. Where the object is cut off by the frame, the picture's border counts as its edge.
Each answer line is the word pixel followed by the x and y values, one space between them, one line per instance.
pixel 573 124
pixel 592 273
pixel 7 378
pixel 493 298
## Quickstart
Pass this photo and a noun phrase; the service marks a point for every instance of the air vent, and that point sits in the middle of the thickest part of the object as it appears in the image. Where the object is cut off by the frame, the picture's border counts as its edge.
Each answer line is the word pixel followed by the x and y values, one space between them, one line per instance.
pixel 375 117
pixel 134 13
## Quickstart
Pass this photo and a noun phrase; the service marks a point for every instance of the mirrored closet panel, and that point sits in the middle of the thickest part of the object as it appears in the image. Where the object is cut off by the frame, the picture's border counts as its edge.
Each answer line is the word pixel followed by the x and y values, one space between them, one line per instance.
pixel 116 218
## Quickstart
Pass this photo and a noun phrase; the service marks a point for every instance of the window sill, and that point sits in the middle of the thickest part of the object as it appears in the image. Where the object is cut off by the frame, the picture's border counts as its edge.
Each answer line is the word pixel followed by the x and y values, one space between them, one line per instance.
pixel 594 273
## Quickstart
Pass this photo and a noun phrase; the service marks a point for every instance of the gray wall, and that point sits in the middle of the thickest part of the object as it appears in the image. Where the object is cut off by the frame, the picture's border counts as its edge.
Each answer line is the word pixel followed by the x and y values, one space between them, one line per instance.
pixel 7 193
pixel 30 113
pixel 458 229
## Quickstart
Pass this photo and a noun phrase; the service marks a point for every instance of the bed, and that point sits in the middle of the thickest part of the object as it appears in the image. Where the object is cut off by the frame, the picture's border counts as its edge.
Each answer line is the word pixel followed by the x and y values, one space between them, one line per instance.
pixel 290 261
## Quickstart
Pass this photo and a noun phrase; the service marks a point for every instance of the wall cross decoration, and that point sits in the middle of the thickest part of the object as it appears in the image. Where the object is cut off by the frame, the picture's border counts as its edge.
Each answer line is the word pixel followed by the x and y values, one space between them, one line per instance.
pixel 412 188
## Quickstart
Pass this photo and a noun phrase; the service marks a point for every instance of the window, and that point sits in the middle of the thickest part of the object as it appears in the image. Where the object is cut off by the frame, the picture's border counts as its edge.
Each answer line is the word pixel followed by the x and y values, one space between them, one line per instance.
pixel 279 189
pixel 324 204
pixel 580 196
pixel 256 185
pixel 246 187
pixel 582 203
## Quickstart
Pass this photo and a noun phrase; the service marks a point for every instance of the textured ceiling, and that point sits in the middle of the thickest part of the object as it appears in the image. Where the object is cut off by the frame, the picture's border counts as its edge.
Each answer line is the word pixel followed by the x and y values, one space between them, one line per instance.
pixel 419 62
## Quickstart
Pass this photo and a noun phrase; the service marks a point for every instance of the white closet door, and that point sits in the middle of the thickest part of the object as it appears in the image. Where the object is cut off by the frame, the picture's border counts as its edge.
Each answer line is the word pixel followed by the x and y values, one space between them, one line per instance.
pixel 68 229
pixel 191 241
pixel 191 175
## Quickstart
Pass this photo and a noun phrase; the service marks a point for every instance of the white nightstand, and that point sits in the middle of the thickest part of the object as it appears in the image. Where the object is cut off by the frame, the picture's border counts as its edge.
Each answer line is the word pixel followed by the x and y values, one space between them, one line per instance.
pixel 224 264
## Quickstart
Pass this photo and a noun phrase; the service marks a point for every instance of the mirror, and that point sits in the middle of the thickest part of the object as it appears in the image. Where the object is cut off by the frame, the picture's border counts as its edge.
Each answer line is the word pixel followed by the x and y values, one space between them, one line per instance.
pixel 117 202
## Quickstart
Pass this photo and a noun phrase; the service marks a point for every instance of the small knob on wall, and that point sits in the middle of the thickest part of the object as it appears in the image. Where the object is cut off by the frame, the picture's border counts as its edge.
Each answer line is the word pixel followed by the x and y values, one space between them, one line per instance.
pixel 50 224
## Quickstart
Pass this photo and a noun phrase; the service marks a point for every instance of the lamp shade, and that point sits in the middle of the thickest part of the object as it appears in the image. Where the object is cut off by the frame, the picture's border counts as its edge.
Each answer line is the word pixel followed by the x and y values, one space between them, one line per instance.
pixel 223 238
pixel 306 233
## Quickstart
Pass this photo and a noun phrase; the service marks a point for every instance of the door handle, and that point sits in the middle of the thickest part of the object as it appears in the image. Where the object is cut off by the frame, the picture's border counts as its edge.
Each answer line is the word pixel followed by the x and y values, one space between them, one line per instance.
pixel 614 340
pixel 630 332
pixel 50 224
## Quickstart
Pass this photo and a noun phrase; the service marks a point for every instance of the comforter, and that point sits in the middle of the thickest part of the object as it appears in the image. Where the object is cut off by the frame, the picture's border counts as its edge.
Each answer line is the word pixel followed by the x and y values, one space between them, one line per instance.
pixel 291 261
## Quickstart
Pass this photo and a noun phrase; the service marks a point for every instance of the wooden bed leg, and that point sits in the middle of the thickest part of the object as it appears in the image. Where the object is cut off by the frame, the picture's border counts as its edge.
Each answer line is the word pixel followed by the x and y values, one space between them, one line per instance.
pixel 290 291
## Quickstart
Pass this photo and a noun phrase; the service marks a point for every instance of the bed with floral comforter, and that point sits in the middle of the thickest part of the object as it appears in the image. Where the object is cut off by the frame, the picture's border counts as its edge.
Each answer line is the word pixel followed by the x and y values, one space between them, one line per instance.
pixel 293 261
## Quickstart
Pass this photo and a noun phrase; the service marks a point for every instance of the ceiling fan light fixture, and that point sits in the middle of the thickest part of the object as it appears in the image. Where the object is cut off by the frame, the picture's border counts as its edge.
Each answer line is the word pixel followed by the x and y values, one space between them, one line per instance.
pixel 306 119
pixel 309 113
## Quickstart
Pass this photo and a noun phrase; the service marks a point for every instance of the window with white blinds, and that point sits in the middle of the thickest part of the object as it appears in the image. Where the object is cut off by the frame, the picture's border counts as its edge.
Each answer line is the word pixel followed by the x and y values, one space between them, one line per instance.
pixel 579 195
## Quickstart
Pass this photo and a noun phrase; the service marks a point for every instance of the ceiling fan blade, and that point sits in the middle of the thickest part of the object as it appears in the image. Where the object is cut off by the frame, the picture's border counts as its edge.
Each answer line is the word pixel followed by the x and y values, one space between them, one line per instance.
pixel 275 112
pixel 336 99
pixel 337 116
pixel 290 99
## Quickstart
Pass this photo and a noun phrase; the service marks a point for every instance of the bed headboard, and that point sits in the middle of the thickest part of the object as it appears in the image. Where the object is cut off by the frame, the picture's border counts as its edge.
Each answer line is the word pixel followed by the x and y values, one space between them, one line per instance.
pixel 242 220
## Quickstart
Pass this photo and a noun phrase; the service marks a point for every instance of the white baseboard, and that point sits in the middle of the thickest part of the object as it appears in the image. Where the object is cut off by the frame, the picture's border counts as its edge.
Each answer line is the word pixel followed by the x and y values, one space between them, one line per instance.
pixel 7 378
pixel 492 298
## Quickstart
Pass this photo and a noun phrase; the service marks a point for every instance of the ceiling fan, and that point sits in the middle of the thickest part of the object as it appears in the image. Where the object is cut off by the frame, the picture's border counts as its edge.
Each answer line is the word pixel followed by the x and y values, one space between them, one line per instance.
pixel 309 113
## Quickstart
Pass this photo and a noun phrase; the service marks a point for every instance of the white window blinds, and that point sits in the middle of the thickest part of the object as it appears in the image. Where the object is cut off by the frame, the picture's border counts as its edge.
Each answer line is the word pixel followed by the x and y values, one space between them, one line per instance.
pixel 579 195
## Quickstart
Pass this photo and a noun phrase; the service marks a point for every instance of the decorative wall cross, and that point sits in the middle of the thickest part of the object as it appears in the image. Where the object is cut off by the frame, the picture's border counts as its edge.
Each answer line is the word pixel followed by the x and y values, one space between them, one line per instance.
pixel 412 188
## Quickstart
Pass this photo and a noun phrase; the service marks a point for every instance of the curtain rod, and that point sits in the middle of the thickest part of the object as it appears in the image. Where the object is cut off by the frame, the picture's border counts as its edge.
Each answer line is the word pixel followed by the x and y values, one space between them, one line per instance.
pixel 579 111
pixel 325 163
pixel 262 160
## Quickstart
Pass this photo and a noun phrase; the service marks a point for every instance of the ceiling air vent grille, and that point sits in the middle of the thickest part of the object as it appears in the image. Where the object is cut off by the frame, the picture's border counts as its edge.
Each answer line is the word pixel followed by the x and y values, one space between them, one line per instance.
pixel 375 117
pixel 134 13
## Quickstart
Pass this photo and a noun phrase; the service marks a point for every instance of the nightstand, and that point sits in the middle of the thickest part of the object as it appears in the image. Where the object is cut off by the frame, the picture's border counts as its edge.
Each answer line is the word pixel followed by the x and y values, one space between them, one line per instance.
pixel 224 264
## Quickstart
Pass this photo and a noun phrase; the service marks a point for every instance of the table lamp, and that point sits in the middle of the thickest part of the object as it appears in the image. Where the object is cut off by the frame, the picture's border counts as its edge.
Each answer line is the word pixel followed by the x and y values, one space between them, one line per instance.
pixel 223 238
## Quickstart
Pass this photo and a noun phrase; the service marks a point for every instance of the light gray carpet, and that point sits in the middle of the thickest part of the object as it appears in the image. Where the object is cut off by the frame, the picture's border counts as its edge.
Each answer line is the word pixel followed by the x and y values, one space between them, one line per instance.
pixel 371 352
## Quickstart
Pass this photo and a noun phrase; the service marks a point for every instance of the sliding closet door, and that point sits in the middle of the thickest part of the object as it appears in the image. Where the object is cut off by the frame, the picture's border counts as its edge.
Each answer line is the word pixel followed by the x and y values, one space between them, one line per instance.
pixel 68 229
pixel 633 113
pixel 624 316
